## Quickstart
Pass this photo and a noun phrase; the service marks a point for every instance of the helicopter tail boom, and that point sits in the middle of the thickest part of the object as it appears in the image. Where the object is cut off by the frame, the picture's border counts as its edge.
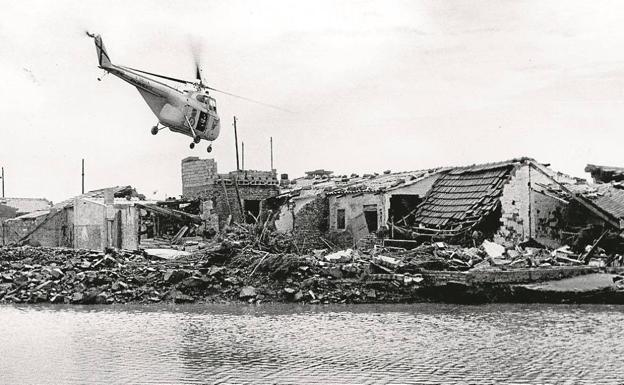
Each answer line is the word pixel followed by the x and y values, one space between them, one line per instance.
pixel 103 58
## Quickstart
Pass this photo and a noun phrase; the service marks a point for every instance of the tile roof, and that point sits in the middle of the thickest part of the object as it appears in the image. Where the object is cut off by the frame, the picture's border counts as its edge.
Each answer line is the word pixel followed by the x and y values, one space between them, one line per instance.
pixel 384 182
pixel 608 197
pixel 26 205
pixel 604 198
pixel 463 195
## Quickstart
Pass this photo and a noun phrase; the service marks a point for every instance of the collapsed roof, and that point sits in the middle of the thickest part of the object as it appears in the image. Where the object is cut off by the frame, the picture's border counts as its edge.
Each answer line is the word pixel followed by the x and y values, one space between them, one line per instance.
pixel 605 174
pixel 462 196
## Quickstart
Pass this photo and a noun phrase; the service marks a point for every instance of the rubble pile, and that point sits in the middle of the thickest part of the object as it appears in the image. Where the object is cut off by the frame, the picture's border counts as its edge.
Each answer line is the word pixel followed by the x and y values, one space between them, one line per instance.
pixel 254 264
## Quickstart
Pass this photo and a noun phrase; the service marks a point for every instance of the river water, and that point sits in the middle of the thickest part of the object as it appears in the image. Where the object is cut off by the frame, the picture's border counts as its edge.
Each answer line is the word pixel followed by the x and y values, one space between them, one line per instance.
pixel 283 344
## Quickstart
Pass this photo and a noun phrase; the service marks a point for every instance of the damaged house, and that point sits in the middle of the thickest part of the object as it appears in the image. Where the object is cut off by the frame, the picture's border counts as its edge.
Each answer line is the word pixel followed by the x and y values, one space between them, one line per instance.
pixel 94 220
pixel 594 209
pixel 365 206
pixel 509 202
pixel 345 209
pixel 504 200
pixel 237 195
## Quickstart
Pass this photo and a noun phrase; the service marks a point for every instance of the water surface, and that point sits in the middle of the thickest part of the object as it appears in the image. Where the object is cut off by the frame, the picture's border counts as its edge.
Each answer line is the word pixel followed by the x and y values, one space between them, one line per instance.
pixel 282 344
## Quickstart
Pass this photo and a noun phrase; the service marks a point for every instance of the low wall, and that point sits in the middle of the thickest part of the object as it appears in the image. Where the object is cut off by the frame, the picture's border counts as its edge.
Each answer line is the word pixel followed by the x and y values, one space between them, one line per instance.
pixel 515 276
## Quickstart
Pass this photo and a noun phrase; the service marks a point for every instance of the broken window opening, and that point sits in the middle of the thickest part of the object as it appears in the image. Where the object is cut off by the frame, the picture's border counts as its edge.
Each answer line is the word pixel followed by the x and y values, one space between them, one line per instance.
pixel 340 219
pixel 252 210
pixel 402 205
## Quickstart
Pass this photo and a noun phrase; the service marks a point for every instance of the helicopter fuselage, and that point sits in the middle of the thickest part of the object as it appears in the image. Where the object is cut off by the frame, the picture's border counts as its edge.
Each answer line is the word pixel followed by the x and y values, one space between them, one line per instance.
pixel 188 112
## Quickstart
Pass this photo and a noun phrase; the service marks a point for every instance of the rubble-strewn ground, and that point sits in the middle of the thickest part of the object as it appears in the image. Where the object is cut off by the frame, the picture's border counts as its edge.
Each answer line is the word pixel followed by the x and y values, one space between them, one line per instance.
pixel 251 264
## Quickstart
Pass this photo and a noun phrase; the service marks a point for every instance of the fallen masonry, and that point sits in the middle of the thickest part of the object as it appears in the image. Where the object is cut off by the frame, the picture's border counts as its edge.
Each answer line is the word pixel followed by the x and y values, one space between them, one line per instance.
pixel 252 264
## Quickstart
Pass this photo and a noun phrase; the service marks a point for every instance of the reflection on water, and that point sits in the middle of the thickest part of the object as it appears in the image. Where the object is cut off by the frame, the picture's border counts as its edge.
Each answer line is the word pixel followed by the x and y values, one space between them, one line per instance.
pixel 362 344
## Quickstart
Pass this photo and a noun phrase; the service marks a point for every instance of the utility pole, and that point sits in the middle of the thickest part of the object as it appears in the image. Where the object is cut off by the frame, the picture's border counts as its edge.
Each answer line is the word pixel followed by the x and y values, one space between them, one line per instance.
pixel 243 156
pixel 83 175
pixel 236 144
pixel 271 153
pixel 2 177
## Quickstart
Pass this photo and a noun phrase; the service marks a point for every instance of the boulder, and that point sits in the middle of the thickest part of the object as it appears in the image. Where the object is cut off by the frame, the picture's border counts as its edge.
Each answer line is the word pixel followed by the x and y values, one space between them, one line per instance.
pixel 175 276
pixel 247 292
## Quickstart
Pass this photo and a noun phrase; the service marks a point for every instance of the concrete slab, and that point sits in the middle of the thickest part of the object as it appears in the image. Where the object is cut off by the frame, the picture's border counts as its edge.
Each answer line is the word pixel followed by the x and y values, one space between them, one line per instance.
pixel 582 283
pixel 167 253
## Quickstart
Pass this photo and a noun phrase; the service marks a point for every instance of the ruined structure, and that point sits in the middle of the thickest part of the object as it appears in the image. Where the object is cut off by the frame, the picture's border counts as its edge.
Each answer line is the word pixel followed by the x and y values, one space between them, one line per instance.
pixel 238 195
pixel 605 174
pixel 94 220
pixel 503 200
pixel 509 202
pixel 367 205
pixel 15 207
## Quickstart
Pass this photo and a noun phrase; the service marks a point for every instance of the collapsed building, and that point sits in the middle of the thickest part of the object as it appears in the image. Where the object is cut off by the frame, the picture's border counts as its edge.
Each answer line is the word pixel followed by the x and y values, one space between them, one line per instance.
pixel 510 202
pixel 237 196
pixel 94 220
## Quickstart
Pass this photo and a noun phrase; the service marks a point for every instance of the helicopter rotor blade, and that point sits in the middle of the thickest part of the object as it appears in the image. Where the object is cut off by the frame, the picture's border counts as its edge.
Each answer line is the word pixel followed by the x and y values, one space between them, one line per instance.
pixel 248 99
pixel 196 51
pixel 160 76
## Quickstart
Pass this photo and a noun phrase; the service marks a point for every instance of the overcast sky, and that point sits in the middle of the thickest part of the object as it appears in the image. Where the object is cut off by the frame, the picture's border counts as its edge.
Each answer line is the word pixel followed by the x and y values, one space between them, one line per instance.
pixel 398 85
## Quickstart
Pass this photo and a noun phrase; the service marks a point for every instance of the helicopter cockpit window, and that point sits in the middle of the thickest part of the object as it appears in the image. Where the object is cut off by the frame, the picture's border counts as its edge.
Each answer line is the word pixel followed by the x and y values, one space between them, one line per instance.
pixel 212 104
pixel 202 98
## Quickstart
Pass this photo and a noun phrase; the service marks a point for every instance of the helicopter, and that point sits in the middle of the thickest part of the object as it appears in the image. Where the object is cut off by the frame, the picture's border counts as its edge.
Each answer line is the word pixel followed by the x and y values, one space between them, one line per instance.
pixel 191 112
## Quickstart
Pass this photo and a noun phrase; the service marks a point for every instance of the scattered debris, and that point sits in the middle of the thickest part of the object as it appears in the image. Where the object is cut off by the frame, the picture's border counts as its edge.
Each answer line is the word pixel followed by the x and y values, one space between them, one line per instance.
pixel 254 263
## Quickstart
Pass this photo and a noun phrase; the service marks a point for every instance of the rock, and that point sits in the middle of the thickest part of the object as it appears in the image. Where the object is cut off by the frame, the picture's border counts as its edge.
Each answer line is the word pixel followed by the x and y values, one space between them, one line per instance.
pixel 334 272
pixel 44 285
pixel 340 256
pixel 57 273
pixel 493 250
pixel 101 298
pixel 298 296
pixel 77 297
pixel 371 293
pixel 289 290
pixel 216 270
pixel 179 297
pixel 119 285
pixel 389 262
pixel 247 292
pixel 193 283
pixel 175 276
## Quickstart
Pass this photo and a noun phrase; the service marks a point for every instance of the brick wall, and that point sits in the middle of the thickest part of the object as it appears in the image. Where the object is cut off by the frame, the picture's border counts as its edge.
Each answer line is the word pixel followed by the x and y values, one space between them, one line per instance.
pixel 201 180
pixel 548 219
pixel 225 198
pixel 57 231
pixel 196 174
pixel 528 213
pixel 312 222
